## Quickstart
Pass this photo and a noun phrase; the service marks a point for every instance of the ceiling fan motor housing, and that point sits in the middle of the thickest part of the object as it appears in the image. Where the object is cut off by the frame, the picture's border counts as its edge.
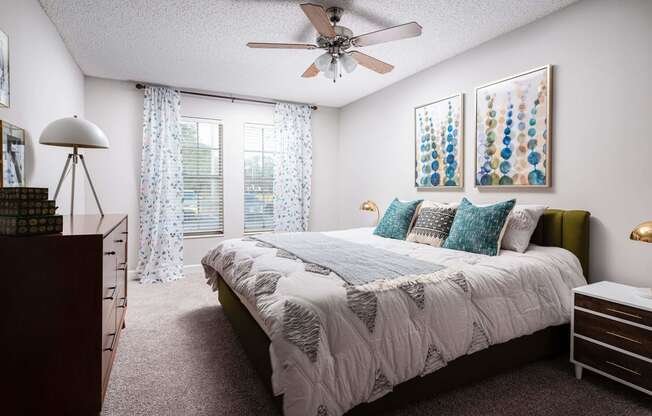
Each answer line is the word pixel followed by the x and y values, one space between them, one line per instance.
pixel 341 41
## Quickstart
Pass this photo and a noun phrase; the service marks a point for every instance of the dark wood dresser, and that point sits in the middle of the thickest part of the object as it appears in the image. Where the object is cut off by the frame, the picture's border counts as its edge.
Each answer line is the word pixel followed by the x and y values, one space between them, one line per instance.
pixel 612 333
pixel 64 303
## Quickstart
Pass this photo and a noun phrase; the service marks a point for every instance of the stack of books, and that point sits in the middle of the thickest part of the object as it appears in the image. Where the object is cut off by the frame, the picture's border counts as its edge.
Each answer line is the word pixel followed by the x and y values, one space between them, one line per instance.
pixel 27 211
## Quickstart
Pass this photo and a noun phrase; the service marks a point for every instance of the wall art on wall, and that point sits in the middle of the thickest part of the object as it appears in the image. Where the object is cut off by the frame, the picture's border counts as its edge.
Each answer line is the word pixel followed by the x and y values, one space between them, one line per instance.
pixel 12 155
pixel 512 136
pixel 4 70
pixel 439 144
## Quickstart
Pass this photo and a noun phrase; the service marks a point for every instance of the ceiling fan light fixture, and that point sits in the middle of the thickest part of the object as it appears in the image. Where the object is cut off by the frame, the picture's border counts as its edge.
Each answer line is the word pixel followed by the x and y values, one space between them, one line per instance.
pixel 323 61
pixel 348 62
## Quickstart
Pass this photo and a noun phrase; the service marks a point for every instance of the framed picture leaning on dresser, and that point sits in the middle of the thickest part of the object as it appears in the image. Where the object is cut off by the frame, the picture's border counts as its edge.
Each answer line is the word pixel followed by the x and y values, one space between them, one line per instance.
pixel 12 155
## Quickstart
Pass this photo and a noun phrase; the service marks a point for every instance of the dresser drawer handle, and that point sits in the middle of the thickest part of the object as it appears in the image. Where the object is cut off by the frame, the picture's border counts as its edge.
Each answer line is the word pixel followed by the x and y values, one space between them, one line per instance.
pixel 624 313
pixel 122 266
pixel 623 368
pixel 624 337
pixel 118 241
pixel 109 253
pixel 112 294
pixel 112 342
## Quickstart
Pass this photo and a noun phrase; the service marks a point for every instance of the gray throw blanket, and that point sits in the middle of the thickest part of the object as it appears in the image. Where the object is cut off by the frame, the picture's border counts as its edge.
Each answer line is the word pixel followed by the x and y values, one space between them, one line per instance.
pixel 356 264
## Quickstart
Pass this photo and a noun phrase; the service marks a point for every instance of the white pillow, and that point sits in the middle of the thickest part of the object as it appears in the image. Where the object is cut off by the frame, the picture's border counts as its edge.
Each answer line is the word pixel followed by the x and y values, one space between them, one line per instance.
pixel 521 224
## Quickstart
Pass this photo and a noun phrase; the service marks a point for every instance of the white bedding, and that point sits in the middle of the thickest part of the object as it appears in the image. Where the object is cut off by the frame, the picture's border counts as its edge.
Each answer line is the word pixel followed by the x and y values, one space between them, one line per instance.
pixel 328 350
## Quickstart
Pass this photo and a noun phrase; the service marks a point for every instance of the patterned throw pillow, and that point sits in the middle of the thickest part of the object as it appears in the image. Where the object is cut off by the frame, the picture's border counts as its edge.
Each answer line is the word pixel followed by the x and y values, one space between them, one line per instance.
pixel 397 219
pixel 479 229
pixel 432 225
pixel 520 227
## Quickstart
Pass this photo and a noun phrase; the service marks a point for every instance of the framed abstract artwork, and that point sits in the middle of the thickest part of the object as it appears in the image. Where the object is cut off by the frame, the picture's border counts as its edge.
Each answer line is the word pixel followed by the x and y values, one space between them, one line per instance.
pixel 439 144
pixel 4 70
pixel 12 155
pixel 512 131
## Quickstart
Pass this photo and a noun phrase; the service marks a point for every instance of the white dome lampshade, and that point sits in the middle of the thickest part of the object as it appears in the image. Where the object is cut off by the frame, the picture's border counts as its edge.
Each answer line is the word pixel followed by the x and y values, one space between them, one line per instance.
pixel 73 131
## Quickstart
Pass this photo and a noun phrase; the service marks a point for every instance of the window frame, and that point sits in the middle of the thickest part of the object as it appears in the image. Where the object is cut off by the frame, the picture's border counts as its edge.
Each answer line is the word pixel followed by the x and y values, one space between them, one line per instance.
pixel 220 178
pixel 262 153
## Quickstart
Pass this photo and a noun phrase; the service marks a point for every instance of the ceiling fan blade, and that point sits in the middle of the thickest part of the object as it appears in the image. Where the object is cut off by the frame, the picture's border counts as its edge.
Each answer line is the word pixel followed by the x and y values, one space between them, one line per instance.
pixel 263 45
pixel 311 71
pixel 372 63
pixel 319 19
pixel 407 30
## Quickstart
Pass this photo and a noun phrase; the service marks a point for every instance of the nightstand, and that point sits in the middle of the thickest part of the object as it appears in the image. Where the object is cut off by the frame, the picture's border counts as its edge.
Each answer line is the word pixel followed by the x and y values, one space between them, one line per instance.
pixel 611 331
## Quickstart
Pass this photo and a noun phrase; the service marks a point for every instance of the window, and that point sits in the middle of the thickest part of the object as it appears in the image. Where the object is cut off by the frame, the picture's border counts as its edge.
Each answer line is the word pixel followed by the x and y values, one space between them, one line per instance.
pixel 259 149
pixel 203 182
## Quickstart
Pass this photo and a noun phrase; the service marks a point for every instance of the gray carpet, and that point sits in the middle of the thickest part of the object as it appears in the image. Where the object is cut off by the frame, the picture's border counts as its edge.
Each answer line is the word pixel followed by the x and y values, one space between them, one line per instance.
pixel 179 356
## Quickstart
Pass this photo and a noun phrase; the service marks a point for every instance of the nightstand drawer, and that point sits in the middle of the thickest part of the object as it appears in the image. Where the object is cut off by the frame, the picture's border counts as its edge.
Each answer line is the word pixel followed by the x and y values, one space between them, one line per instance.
pixel 618 334
pixel 622 366
pixel 617 310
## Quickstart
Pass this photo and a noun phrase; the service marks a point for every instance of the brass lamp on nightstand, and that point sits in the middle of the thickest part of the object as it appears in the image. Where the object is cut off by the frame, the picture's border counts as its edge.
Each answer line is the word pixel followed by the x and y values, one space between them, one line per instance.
pixel 643 232
pixel 370 206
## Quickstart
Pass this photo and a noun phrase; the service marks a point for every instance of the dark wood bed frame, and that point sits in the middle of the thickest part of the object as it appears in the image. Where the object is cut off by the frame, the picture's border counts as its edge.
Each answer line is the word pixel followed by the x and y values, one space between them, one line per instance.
pixel 567 229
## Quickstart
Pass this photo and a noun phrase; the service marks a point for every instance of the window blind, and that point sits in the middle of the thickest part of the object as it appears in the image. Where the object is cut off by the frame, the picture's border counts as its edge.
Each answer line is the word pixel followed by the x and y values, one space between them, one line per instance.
pixel 203 182
pixel 260 147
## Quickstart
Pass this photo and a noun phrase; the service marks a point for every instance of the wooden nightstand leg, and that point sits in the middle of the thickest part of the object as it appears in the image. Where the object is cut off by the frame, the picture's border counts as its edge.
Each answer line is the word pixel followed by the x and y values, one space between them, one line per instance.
pixel 578 371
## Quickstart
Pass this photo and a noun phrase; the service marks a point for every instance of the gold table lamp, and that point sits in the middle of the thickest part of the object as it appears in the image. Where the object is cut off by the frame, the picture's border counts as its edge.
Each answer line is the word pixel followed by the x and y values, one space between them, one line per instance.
pixel 370 206
pixel 642 232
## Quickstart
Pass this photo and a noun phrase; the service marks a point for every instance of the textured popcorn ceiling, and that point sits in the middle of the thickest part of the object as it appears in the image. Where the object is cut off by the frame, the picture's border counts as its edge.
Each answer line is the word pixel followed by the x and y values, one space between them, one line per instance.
pixel 200 44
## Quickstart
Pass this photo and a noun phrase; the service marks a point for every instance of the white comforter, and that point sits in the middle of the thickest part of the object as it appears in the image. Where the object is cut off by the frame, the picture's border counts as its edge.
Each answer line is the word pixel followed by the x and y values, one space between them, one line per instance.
pixel 333 347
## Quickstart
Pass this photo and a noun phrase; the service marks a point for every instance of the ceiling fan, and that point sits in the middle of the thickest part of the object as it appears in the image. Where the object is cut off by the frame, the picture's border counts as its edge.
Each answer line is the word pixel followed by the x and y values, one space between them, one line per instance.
pixel 337 40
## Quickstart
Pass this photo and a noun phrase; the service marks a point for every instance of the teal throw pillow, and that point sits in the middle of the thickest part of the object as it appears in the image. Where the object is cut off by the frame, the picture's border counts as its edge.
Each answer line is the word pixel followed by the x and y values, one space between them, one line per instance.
pixel 397 219
pixel 479 229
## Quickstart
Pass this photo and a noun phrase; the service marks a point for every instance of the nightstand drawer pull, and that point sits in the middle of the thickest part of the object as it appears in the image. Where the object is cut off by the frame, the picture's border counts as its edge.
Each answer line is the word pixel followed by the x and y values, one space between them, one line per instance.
pixel 623 368
pixel 623 337
pixel 631 315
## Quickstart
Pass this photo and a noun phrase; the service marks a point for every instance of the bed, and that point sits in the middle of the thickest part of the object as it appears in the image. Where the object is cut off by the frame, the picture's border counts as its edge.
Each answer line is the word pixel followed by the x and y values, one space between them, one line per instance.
pixel 325 346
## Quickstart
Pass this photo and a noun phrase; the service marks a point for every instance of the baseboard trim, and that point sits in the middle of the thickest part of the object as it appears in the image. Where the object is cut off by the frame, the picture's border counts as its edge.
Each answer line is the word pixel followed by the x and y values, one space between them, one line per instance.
pixel 188 270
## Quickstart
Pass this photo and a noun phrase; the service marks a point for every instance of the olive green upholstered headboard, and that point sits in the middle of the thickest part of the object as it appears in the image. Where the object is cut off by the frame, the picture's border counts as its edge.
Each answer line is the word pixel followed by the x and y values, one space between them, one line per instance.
pixel 565 229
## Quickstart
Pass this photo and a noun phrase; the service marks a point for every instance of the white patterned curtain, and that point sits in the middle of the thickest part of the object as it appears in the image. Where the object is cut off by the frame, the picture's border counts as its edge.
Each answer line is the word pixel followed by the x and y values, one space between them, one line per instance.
pixel 293 167
pixel 160 254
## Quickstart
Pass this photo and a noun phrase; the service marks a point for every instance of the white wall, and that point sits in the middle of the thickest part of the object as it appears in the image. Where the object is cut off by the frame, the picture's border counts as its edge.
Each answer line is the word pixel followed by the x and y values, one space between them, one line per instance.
pixel 602 90
pixel 46 84
pixel 117 107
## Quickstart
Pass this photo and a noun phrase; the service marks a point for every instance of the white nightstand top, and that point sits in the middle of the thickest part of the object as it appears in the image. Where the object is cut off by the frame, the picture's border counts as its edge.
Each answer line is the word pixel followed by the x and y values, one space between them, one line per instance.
pixel 619 293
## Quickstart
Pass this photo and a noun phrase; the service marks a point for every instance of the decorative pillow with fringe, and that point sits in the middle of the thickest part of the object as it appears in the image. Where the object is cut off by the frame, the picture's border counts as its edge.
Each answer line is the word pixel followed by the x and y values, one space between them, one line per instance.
pixel 433 225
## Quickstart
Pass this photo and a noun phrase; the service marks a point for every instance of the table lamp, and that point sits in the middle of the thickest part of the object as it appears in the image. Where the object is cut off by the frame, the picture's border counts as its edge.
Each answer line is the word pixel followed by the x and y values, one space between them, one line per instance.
pixel 642 232
pixel 370 206
pixel 74 132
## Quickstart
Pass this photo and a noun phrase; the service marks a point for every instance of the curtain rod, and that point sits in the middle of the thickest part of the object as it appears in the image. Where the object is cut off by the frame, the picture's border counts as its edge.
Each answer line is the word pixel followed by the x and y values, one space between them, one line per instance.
pixel 223 97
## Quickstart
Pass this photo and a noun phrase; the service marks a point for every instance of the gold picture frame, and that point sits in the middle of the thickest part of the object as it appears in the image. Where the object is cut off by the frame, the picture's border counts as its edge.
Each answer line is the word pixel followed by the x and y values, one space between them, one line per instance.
pixel 531 168
pixel 433 172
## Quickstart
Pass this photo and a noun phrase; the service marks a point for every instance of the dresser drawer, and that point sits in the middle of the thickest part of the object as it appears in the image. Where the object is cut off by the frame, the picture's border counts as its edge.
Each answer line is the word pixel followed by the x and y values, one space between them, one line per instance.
pixel 617 310
pixel 109 267
pixel 109 340
pixel 622 366
pixel 118 238
pixel 628 337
